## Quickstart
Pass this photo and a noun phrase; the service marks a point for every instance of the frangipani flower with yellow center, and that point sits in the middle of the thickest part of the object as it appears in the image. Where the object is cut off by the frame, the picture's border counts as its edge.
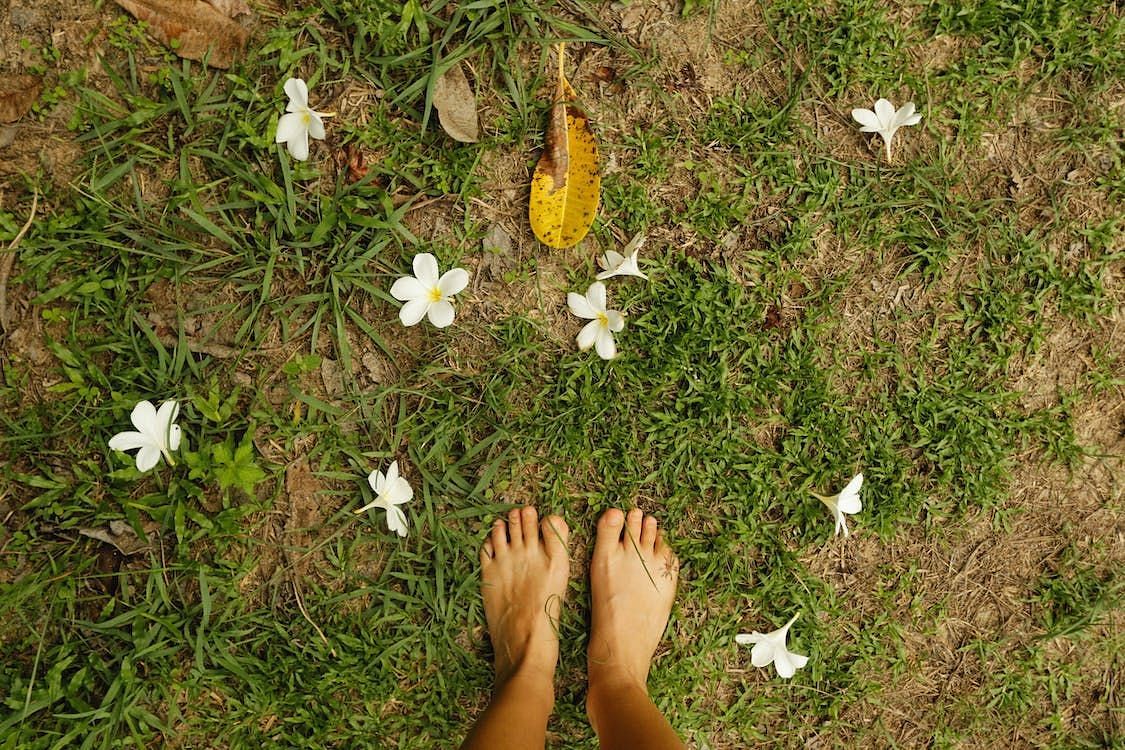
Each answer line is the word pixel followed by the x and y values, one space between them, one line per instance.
pixel 425 293
pixel 391 491
pixel 299 122
pixel 771 647
pixel 156 435
pixel 845 502
pixel 886 120
pixel 598 333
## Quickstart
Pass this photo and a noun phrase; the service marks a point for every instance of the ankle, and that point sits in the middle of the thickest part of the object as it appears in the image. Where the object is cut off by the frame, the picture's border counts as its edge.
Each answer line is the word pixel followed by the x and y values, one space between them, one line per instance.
pixel 534 685
pixel 609 687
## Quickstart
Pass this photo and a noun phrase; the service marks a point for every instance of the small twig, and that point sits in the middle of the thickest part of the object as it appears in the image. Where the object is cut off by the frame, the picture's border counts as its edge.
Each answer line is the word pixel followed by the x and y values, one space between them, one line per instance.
pixel 9 260
pixel 305 614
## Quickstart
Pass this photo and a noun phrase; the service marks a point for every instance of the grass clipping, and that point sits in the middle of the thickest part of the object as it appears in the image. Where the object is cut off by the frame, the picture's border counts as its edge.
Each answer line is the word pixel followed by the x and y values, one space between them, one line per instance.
pixel 566 185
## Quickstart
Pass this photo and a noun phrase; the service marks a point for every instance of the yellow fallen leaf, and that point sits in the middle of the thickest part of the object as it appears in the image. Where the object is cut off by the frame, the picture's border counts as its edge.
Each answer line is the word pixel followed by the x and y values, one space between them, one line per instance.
pixel 566 185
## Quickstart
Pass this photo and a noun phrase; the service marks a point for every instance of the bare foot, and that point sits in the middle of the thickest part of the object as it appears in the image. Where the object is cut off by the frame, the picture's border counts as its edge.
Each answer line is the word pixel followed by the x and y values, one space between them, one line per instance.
pixel 524 571
pixel 633 582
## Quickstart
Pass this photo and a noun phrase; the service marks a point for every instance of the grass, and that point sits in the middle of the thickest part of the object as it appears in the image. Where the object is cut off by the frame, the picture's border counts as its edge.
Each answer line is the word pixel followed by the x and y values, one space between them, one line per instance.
pixel 813 312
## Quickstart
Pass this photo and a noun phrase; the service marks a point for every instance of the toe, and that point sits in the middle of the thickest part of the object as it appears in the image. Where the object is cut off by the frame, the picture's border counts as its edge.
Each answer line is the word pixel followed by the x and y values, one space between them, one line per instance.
pixel 529 523
pixel 556 536
pixel 633 525
pixel 648 534
pixel 499 538
pixel 515 530
pixel 609 530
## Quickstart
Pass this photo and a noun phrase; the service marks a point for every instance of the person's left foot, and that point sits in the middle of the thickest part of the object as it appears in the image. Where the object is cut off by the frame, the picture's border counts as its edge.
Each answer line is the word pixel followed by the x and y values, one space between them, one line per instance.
pixel 524 571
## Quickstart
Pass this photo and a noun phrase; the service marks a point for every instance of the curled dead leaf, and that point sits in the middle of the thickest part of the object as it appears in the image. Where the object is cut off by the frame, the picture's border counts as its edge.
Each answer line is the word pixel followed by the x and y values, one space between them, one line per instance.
pixel 193 29
pixel 456 105
pixel 566 186
pixel 122 536
pixel 17 94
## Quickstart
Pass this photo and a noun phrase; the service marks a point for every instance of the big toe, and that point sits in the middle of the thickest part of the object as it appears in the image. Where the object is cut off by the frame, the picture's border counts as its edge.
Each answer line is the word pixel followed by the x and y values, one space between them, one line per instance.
pixel 556 536
pixel 609 530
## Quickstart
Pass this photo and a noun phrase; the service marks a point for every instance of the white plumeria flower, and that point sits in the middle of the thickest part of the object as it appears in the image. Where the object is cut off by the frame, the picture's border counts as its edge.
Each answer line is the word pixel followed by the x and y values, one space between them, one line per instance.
pixel 391 491
pixel 598 333
pixel 425 293
pixel 617 264
pixel 156 434
pixel 299 122
pixel 770 647
pixel 846 502
pixel 885 120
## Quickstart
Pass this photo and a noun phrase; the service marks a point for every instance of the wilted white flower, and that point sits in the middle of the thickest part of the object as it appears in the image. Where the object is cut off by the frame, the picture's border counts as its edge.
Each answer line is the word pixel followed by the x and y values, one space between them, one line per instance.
pixel 885 120
pixel 598 333
pixel 845 502
pixel 426 293
pixel 156 434
pixel 770 647
pixel 299 122
pixel 618 264
pixel 391 491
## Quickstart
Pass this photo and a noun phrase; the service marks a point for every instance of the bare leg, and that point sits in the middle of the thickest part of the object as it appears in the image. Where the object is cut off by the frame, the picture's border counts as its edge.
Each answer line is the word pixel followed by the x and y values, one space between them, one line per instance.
pixel 524 570
pixel 633 582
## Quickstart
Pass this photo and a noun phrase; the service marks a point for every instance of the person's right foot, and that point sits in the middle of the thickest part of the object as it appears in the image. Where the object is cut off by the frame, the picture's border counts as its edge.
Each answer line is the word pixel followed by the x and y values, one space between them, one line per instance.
pixel 633 583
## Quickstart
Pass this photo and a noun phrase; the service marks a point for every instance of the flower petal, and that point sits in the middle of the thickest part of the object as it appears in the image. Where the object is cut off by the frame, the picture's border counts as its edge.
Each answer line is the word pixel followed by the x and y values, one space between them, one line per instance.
pixel 605 345
pixel 413 311
pixel 408 288
pixel 426 269
pixel 289 127
pixel 616 320
pixel 850 501
pixel 745 638
pixel 841 523
pixel 375 479
pixel 867 119
pixel 589 334
pixel 399 492
pixel 143 418
pixel 453 281
pixel 316 125
pixel 175 434
pixel 127 441
pixel 762 654
pixel 610 260
pixel 147 457
pixel 396 520
pixel 885 111
pixel 783 664
pixel 441 314
pixel 595 295
pixel 580 306
pixel 298 94
pixel 165 416
pixel 392 473
pixel 798 660
pixel 299 145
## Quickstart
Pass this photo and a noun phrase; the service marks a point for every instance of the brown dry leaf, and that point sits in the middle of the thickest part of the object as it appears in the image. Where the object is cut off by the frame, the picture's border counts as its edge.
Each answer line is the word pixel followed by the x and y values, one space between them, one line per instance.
pixel 17 94
pixel 230 8
pixel 122 536
pixel 566 186
pixel 191 28
pixel 456 105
